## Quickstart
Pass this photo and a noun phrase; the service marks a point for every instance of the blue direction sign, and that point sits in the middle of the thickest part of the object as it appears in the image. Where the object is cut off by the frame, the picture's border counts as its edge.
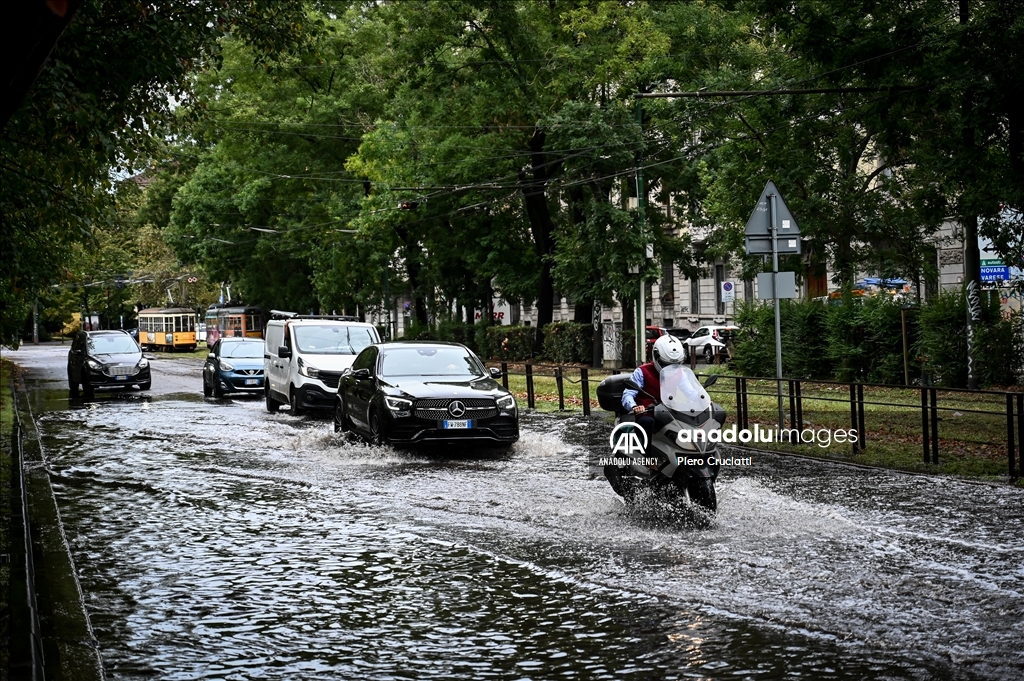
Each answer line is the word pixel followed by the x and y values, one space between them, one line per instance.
pixel 995 274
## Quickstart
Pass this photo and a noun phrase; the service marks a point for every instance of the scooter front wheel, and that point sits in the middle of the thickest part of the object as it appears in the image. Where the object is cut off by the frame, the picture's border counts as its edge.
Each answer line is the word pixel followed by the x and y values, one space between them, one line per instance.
pixel 702 493
pixel 624 485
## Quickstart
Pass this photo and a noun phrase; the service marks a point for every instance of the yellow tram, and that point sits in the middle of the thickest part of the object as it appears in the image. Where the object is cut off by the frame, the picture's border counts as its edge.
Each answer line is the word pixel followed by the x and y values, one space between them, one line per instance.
pixel 171 328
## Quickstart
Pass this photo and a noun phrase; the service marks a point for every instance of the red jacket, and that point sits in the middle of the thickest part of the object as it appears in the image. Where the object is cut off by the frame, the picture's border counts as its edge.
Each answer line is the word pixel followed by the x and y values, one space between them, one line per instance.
pixel 651 386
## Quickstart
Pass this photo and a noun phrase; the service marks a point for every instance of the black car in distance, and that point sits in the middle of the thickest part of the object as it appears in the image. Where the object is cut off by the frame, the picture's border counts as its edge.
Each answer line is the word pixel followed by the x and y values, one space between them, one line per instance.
pixel 103 359
pixel 425 393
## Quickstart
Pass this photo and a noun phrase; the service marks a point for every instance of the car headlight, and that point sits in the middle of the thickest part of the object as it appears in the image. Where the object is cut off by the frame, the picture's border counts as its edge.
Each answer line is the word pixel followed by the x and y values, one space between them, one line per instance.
pixel 398 403
pixel 308 370
pixel 94 365
pixel 143 363
pixel 506 402
pixel 226 366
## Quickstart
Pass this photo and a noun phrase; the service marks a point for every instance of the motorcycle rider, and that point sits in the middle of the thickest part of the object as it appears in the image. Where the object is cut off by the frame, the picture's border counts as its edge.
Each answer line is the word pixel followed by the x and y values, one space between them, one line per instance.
pixel 666 351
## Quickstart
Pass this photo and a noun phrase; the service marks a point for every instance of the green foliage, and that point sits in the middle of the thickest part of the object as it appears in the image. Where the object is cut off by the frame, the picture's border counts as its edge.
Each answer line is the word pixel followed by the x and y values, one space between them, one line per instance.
pixel 865 340
pixel 510 343
pixel 568 342
pixel 101 105
pixel 754 345
pixel 942 343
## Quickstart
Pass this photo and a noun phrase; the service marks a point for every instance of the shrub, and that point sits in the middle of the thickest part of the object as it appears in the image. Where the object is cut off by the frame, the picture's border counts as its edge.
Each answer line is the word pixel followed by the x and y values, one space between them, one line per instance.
pixel 804 340
pixel 510 343
pixel 942 343
pixel 865 339
pixel 754 345
pixel 568 342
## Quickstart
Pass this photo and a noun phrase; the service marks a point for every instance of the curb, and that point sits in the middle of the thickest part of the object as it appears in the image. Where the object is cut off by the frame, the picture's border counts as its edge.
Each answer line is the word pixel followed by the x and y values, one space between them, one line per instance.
pixel 62 642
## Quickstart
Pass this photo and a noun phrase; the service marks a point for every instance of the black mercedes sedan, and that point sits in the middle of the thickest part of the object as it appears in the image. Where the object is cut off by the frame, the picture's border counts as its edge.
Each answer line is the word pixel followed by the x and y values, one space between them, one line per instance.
pixel 409 393
pixel 101 359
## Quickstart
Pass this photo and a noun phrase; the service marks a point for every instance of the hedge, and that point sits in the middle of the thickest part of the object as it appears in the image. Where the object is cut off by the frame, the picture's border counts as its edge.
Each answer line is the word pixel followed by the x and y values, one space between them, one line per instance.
pixel 568 342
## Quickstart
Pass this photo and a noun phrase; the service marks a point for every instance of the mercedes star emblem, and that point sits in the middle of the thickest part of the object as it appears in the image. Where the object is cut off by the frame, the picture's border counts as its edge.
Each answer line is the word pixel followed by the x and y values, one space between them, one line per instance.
pixel 456 409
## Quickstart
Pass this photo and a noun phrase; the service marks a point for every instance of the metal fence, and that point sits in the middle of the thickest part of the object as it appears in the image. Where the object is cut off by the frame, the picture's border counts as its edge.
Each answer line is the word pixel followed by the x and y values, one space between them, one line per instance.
pixel 962 423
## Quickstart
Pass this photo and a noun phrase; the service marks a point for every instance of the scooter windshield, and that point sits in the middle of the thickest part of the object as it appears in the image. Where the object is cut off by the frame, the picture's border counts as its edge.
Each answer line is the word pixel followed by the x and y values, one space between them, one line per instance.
pixel 681 391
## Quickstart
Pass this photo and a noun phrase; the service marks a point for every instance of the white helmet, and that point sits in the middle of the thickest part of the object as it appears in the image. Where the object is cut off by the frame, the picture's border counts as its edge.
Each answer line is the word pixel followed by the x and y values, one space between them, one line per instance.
pixel 667 350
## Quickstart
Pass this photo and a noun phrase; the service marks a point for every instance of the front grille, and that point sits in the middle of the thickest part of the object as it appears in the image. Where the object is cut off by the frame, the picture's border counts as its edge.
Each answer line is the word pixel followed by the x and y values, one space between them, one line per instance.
pixel 330 378
pixel 250 372
pixel 119 370
pixel 437 409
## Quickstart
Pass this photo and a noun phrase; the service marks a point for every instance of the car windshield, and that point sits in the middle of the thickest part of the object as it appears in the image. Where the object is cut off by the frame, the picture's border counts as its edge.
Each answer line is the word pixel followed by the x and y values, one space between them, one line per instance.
pixel 113 344
pixel 448 362
pixel 333 339
pixel 241 350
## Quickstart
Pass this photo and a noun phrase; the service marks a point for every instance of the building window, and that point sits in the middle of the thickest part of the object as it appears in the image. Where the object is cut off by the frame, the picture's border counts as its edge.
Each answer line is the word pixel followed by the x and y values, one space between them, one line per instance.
pixel 695 296
pixel 668 287
pixel 748 291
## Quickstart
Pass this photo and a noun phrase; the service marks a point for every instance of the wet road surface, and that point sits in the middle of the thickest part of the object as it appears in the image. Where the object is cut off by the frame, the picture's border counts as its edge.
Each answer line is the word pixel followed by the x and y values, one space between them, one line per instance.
pixel 216 541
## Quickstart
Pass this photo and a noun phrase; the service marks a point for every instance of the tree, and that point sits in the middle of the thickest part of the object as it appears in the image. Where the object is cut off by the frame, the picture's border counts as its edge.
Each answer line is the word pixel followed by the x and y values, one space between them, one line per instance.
pixel 94 111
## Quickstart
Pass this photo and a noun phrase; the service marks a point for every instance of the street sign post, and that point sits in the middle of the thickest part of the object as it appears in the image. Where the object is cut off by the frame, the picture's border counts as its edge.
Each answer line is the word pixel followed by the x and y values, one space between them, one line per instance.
pixel 772 229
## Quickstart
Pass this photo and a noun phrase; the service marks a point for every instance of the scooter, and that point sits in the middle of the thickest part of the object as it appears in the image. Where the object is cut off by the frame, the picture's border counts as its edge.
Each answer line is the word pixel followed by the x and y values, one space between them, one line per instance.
pixel 679 462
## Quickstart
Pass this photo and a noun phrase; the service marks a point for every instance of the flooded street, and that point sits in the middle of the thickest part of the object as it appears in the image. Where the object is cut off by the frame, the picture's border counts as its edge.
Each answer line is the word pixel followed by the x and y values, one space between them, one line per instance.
pixel 216 541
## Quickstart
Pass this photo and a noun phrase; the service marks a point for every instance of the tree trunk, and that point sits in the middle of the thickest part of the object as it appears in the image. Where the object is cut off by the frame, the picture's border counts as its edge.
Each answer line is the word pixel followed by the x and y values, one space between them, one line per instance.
pixel 534 189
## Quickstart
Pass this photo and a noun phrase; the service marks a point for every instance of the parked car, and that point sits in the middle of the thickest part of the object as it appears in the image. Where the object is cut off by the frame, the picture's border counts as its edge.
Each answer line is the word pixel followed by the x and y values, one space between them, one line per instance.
pixel 234 365
pixel 102 359
pixel 711 340
pixel 305 356
pixel 425 392
pixel 681 334
pixel 651 334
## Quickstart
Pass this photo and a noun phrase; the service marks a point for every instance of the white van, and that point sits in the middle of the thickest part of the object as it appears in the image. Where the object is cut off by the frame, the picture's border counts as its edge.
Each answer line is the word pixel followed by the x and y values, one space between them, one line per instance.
pixel 304 356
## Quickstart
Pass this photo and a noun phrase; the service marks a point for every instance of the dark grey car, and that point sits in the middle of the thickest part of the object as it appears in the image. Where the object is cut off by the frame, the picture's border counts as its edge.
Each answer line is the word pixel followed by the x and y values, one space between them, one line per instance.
pixel 105 359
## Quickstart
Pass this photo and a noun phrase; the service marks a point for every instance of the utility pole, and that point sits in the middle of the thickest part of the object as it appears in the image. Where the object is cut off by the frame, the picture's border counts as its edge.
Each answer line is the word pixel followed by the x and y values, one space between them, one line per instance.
pixel 972 255
pixel 641 204
pixel 774 229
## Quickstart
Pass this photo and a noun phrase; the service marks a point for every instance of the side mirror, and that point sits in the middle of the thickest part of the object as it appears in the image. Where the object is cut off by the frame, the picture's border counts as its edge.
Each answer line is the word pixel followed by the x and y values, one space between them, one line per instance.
pixel 710 381
pixel 284 352
pixel 361 373
pixel 211 356
pixel 495 372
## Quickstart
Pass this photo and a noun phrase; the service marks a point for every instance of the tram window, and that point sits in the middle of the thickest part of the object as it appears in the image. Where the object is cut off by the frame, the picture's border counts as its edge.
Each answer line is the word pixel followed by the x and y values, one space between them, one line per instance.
pixel 177 324
pixel 158 324
pixel 252 322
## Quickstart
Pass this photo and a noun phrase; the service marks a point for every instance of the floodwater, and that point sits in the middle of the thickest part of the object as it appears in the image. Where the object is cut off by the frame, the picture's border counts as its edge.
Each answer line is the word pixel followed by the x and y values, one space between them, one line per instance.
pixel 216 541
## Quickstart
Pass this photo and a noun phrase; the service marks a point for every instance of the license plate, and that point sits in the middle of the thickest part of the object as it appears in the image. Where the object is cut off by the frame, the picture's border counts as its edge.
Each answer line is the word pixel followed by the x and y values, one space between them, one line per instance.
pixel 120 378
pixel 252 381
pixel 456 425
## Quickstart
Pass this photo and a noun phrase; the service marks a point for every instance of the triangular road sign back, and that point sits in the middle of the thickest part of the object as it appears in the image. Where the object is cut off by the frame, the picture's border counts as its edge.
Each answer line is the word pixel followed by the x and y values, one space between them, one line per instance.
pixel 759 223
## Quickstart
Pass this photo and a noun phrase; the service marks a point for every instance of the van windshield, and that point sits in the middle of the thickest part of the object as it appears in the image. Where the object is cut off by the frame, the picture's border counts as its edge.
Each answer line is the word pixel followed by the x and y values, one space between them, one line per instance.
pixel 333 339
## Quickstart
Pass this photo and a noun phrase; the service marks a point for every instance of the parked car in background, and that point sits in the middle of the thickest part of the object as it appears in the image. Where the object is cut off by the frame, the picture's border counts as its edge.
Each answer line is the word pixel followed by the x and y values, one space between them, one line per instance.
pixel 234 365
pixel 710 341
pixel 409 393
pixel 651 334
pixel 681 334
pixel 104 359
